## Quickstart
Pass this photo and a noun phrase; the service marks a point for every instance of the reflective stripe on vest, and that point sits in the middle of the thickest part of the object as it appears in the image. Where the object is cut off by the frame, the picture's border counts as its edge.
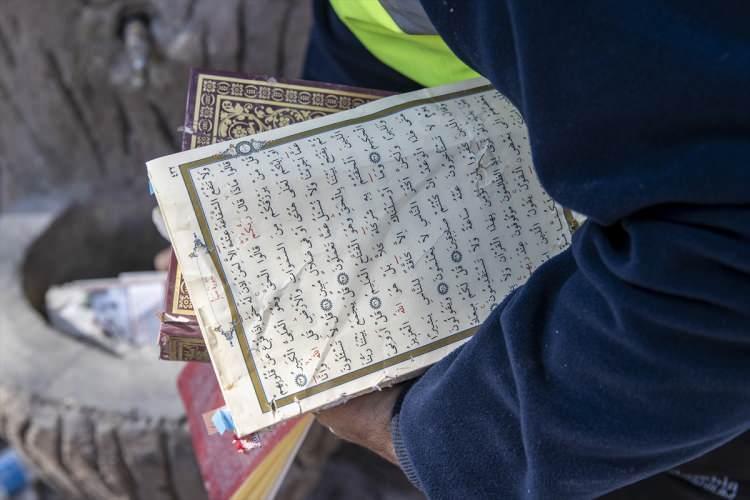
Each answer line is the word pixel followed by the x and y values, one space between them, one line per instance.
pixel 410 16
pixel 399 34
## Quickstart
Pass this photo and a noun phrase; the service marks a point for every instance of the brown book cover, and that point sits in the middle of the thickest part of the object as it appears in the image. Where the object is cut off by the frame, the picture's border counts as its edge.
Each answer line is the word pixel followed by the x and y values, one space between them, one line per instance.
pixel 223 106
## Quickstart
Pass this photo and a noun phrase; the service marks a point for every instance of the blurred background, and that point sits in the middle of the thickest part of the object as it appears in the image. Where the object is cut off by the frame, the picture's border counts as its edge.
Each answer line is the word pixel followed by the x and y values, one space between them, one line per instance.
pixel 89 91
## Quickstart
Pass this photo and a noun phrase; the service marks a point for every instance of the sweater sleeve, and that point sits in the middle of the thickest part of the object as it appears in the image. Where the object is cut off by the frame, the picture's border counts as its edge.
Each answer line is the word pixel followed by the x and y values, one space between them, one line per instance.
pixel 629 353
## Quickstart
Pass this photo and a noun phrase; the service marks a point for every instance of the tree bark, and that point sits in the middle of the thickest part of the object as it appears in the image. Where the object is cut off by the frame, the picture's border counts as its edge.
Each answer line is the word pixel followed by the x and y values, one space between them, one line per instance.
pixel 91 89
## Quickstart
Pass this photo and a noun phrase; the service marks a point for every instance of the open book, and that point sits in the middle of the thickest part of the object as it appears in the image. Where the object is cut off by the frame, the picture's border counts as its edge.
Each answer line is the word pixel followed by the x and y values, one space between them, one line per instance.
pixel 336 256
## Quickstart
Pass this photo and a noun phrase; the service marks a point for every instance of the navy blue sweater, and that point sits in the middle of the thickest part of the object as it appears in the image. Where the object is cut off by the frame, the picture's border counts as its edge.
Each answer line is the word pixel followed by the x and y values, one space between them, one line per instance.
pixel 630 353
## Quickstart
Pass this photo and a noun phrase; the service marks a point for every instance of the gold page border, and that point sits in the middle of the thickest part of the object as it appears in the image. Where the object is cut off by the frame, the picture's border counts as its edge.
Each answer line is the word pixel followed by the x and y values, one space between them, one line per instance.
pixel 265 405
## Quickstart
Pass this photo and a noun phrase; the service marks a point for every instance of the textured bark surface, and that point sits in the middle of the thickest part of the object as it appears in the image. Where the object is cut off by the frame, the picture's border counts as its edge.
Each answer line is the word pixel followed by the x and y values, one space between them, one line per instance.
pixel 90 89
pixel 94 425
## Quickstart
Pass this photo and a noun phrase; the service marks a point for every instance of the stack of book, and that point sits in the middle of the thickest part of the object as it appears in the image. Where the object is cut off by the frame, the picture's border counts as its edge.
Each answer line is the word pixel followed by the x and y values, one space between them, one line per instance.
pixel 223 106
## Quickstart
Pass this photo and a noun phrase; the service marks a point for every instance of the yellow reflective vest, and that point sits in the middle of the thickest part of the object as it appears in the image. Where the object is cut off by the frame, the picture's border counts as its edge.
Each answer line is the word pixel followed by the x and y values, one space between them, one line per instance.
pixel 399 34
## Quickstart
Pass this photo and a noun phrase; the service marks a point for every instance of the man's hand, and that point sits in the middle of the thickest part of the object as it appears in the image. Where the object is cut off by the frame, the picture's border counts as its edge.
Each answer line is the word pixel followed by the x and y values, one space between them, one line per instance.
pixel 365 421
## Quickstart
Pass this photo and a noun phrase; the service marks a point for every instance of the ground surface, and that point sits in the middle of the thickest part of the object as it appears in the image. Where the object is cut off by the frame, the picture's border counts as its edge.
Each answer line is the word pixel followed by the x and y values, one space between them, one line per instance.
pixel 353 473
pixel 90 90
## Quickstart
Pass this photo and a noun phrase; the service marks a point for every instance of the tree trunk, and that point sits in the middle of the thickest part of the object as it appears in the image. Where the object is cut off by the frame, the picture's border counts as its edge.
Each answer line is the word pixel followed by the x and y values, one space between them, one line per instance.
pixel 91 89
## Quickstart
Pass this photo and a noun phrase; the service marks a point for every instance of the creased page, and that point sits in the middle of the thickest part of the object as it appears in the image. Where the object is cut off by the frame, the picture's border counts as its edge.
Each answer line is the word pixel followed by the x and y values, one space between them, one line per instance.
pixel 335 256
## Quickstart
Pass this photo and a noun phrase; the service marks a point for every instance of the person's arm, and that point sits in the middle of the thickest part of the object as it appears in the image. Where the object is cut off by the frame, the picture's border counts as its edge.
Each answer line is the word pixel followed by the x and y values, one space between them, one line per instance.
pixel 629 353
pixel 366 421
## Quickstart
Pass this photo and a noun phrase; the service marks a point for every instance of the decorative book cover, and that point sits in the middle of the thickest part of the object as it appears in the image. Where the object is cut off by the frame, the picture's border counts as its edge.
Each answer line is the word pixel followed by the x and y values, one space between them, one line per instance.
pixel 255 474
pixel 222 106
pixel 331 257
pixel 180 338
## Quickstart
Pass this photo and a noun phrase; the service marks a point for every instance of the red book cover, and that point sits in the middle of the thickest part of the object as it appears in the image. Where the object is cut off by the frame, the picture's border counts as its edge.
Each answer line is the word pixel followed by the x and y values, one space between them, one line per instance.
pixel 224 470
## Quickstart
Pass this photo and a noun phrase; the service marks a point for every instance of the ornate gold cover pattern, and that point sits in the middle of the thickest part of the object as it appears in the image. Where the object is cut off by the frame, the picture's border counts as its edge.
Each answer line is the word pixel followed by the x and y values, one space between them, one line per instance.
pixel 188 349
pixel 230 108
